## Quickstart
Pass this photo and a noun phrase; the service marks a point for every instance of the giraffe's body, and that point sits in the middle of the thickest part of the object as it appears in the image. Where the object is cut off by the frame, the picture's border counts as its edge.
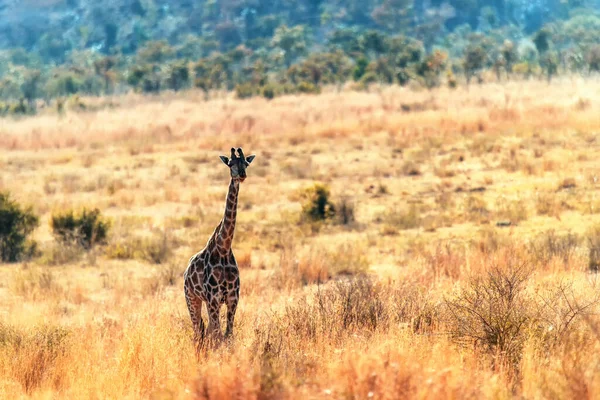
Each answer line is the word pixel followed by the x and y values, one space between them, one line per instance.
pixel 212 275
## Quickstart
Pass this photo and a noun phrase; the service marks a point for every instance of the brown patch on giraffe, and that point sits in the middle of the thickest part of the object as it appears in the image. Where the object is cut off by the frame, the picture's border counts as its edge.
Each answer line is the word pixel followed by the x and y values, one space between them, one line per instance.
pixel 214 257
pixel 218 274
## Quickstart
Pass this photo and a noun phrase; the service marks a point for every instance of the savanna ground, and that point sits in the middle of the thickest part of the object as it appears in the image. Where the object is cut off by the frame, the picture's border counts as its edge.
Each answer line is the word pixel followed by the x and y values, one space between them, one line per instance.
pixel 459 264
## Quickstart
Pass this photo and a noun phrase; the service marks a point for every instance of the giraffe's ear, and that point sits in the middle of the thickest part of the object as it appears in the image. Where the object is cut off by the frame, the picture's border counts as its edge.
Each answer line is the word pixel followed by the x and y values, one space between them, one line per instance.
pixel 250 158
pixel 225 160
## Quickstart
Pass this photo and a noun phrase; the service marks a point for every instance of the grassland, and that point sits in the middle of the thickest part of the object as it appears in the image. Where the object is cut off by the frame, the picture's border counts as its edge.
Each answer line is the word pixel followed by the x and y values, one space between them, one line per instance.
pixel 462 269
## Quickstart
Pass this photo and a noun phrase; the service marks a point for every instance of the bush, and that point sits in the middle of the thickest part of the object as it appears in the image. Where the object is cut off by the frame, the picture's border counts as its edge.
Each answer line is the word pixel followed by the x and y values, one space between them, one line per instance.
pixel 86 229
pixel 318 265
pixel 158 248
pixel 513 211
pixel 354 305
pixel 16 224
pixel 245 90
pixel 36 353
pixel 345 216
pixel 494 311
pixel 308 88
pixel 318 206
pixel 593 241
pixel 269 92
pixel 549 245
pixel 401 218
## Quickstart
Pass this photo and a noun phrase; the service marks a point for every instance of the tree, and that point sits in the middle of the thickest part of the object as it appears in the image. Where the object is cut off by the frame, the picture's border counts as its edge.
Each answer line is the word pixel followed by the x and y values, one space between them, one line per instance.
pixel 509 55
pixel 373 43
pixel 179 75
pixel 30 85
pixel 542 40
pixel 550 63
pixel 474 60
pixel 156 52
pixel 593 58
pixel 103 69
pixel 360 68
pixel 393 15
pixel 431 68
pixel 291 41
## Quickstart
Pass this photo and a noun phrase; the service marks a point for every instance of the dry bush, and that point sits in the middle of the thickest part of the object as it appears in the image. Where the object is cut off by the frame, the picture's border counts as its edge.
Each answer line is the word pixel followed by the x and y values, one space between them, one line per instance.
pixel 562 310
pixel 570 372
pixel 410 168
pixel 494 310
pixel 445 260
pixel 413 304
pixel 156 248
pixel 490 241
pixel 549 245
pixel 338 310
pixel 166 275
pixel 548 204
pixel 318 264
pixel 35 355
pixel 593 243
pixel 513 211
pixel 500 312
pixel 159 247
pixel 475 209
pixel 61 252
pixel 35 284
pixel 345 212
pixel 401 219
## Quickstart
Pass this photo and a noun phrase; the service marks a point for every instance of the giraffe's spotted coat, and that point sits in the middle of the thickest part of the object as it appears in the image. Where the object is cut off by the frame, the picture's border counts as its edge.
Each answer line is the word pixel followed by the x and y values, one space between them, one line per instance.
pixel 212 275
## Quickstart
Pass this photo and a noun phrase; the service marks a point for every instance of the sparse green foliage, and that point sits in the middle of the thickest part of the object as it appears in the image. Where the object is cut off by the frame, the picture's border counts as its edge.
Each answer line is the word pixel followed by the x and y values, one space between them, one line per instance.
pixel 542 40
pixel 179 76
pixel 317 203
pixel 474 60
pixel 86 228
pixel 16 223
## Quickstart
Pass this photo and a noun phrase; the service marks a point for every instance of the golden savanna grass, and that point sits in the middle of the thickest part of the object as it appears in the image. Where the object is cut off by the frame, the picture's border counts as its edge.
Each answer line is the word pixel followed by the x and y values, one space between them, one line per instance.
pixel 480 200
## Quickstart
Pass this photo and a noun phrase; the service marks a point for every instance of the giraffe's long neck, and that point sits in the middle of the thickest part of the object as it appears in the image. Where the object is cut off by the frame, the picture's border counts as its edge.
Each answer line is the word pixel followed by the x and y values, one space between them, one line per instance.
pixel 227 227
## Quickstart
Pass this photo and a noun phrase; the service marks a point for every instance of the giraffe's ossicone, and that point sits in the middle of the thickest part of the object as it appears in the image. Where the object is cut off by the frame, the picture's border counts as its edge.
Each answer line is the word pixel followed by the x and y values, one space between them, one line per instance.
pixel 212 275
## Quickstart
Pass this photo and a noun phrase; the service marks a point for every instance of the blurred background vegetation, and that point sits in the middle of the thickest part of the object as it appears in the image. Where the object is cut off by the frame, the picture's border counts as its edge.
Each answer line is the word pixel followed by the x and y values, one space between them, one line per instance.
pixel 54 49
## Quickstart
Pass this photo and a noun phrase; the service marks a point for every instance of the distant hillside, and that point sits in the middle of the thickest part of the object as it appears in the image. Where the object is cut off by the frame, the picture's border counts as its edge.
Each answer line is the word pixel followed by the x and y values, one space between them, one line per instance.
pixel 57 48
pixel 55 27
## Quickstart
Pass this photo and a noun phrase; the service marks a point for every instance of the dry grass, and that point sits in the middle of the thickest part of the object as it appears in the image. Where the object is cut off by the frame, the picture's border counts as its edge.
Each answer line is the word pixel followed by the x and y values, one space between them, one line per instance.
pixel 441 205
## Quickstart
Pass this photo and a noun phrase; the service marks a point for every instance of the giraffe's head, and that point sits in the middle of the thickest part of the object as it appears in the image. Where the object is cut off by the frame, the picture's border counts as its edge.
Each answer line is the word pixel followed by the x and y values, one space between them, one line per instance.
pixel 237 164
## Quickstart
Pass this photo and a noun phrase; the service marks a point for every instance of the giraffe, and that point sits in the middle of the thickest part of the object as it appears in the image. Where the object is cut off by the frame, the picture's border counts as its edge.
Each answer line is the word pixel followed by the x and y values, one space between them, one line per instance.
pixel 212 275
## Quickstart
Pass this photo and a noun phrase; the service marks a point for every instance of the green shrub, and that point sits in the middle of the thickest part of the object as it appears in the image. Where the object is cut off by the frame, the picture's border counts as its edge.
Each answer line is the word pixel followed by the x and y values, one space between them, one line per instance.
pixel 87 229
pixel 307 87
pixel 16 223
pixel 245 90
pixel 318 206
pixel 268 92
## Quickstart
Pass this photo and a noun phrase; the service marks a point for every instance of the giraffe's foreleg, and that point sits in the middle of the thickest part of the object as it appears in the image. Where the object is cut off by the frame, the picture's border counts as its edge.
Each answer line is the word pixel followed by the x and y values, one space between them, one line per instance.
pixel 214 326
pixel 194 305
pixel 232 302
